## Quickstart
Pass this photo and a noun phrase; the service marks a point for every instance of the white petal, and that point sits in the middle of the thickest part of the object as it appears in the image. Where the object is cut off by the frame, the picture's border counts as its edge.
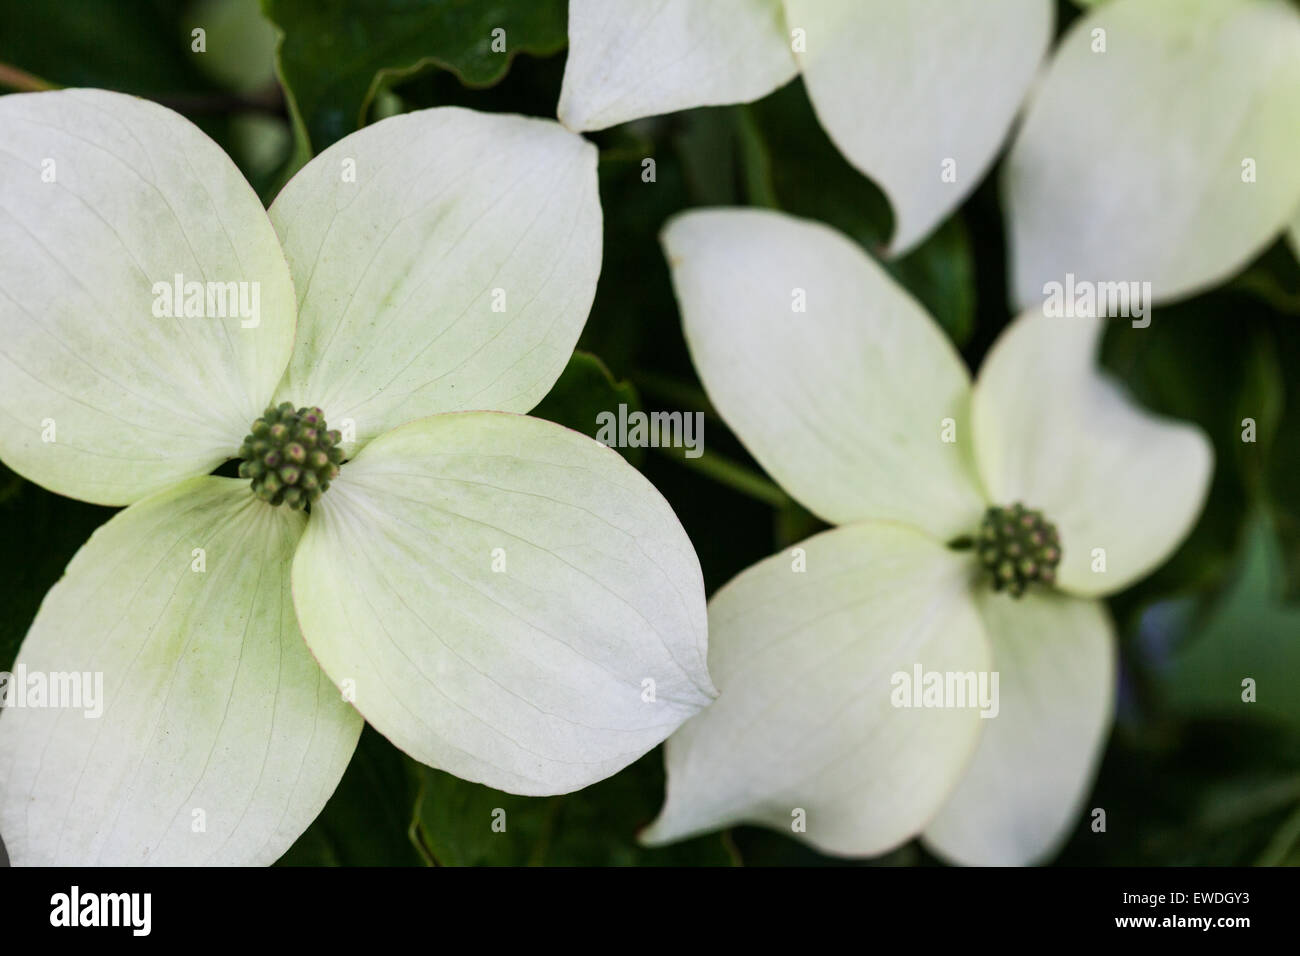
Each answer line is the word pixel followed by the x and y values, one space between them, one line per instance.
pixel 915 93
pixel 220 739
pixel 629 58
pixel 805 663
pixel 444 260
pixel 102 196
pixel 1054 432
pixel 1130 165
pixel 1055 660
pixel 510 600
pixel 844 403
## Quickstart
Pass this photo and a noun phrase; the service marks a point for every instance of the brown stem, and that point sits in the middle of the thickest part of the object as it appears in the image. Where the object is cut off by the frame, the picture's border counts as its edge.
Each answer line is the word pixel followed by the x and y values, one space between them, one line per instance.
pixel 22 81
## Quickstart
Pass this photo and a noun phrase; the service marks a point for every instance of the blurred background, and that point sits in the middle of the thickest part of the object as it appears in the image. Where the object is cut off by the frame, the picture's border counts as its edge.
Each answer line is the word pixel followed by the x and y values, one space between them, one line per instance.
pixel 1190 775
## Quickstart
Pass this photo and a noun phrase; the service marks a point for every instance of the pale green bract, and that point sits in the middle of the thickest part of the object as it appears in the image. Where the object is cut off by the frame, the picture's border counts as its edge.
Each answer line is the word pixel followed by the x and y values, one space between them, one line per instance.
pixel 493 592
pixel 860 408
pixel 918 95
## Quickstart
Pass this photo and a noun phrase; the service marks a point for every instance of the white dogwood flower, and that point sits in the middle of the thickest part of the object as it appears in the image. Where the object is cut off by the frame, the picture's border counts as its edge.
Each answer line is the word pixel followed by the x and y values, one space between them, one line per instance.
pixel 918 95
pixel 977 526
pixel 492 592
pixel 1160 146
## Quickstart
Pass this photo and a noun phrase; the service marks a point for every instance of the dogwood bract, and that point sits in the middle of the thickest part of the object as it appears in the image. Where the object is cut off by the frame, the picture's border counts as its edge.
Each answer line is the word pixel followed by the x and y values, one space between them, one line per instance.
pixel 1159 146
pixel 492 592
pixel 862 410
pixel 918 95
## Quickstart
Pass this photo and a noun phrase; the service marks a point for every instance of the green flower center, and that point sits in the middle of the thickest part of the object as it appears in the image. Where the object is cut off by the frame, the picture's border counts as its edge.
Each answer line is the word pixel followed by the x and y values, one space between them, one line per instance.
pixel 1018 546
pixel 291 456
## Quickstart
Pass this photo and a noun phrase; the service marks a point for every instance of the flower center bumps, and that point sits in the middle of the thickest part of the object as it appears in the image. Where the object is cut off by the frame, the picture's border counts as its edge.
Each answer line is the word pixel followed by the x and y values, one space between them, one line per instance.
pixel 1018 546
pixel 290 455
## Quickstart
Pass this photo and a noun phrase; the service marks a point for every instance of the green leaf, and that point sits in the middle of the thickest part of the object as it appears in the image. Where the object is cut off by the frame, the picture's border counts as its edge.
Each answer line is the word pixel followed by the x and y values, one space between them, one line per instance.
pixel 584 390
pixel 1260 401
pixel 1250 633
pixel 941 273
pixel 368 820
pixel 461 824
pixel 707 145
pixel 467 824
pixel 134 46
pixel 335 55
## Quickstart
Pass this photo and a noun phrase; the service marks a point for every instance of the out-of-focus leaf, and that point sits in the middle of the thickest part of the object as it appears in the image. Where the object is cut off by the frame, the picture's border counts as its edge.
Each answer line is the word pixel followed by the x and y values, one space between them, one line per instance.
pixel 1204 792
pixel 941 273
pixel 1259 410
pixel 634 320
pixel 145 47
pixel 239 43
pixel 1250 634
pixel 133 46
pixel 467 824
pixel 260 145
pixel 584 390
pixel 1274 278
pixel 707 146
pixel 336 54
pixel 368 820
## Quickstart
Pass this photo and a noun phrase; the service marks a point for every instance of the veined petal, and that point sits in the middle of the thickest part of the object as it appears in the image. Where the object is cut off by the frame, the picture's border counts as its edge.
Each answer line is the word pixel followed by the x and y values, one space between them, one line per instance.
pixel 219 739
pixel 1123 486
pixel 109 389
pixel 836 380
pixel 920 95
pixel 508 600
pixel 1055 660
pixel 1160 147
pixel 809 726
pixel 629 59
pixel 444 260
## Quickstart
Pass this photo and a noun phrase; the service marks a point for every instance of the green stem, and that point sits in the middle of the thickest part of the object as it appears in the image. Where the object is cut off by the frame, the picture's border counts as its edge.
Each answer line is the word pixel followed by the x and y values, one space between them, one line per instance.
pixel 1270 291
pixel 756 162
pixel 675 393
pixel 734 476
